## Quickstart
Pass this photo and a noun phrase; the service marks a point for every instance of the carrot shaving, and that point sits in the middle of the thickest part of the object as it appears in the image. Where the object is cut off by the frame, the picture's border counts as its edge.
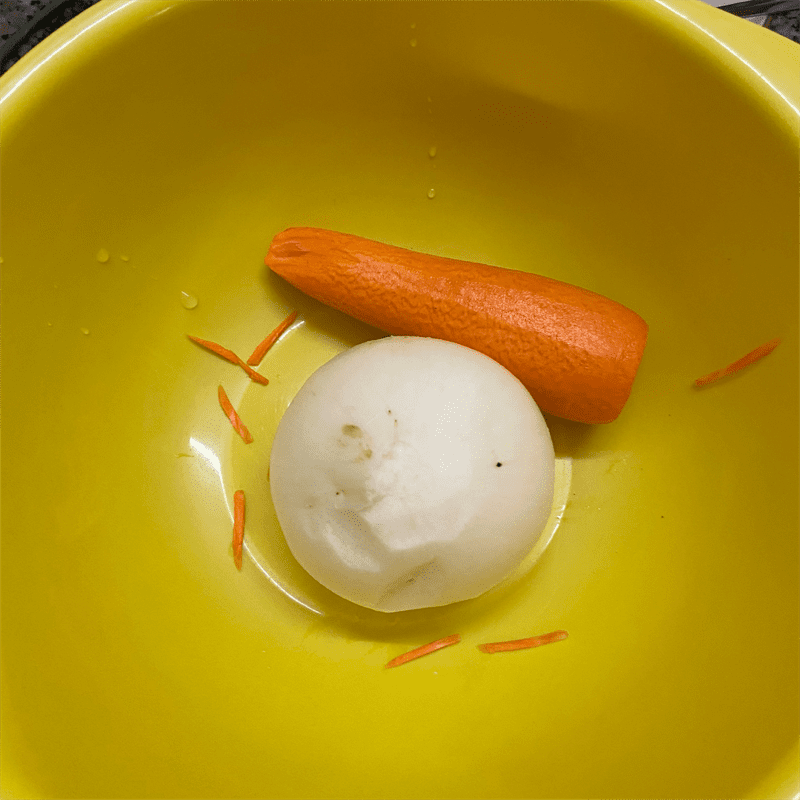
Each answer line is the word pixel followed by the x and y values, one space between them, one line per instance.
pixel 235 419
pixel 744 361
pixel 238 527
pixel 261 350
pixel 255 376
pixel 424 650
pixel 229 355
pixel 523 644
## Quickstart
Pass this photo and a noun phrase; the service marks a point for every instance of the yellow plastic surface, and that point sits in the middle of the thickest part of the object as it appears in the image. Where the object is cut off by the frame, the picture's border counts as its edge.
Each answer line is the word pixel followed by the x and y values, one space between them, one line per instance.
pixel 644 150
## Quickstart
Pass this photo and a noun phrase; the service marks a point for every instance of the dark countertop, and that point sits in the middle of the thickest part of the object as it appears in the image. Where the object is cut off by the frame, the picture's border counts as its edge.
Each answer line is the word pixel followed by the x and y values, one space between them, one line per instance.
pixel 24 23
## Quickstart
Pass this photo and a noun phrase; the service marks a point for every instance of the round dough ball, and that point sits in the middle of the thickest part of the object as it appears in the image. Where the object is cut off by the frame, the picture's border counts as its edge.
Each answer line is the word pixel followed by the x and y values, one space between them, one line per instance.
pixel 411 472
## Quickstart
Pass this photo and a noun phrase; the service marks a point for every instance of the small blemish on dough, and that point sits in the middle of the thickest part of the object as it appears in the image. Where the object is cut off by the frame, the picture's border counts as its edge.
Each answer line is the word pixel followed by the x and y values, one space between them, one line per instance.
pixel 353 431
pixel 366 453
pixel 499 464
pixel 405 581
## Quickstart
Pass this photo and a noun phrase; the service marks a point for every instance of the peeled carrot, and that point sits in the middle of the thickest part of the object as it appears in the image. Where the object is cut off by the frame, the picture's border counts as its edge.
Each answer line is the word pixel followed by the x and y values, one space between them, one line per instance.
pixel 238 527
pixel 418 652
pixel 229 355
pixel 261 350
pixel 744 361
pixel 577 352
pixel 231 414
pixel 523 644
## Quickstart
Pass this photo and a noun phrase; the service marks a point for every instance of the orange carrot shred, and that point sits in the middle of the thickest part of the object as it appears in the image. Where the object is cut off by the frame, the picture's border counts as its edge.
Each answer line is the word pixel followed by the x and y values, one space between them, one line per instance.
pixel 744 361
pixel 424 650
pixel 238 527
pixel 261 350
pixel 217 348
pixel 229 355
pixel 523 644
pixel 235 419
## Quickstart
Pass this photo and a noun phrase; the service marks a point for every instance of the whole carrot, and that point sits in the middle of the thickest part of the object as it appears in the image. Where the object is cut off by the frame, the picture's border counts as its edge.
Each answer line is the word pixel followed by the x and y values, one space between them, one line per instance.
pixel 577 352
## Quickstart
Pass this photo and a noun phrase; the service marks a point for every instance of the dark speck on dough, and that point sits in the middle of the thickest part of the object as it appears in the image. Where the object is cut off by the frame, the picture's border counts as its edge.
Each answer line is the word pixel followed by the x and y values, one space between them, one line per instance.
pixel 499 464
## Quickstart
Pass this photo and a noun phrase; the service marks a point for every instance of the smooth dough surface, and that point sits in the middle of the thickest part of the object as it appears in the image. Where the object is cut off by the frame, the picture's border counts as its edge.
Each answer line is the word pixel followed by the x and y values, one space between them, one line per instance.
pixel 411 472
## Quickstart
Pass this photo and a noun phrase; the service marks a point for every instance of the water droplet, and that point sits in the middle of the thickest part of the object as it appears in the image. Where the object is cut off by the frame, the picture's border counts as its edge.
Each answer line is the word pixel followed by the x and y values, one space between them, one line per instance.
pixel 188 300
pixel 431 193
pixel 85 331
pixel 1 259
pixel 103 255
pixel 432 151
pixel 413 25
pixel 125 258
pixel 49 324
pixel 429 100
pixel 413 42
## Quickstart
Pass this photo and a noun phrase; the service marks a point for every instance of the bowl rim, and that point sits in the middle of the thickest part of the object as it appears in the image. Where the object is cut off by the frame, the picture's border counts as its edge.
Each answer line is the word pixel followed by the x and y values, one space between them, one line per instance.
pixel 762 61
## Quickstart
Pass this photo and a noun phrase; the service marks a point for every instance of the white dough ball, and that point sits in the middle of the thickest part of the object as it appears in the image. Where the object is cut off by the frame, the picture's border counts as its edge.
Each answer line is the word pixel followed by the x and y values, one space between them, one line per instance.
pixel 411 472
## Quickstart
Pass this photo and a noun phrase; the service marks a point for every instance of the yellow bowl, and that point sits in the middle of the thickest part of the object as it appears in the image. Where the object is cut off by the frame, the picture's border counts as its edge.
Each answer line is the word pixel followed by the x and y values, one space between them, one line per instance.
pixel 647 151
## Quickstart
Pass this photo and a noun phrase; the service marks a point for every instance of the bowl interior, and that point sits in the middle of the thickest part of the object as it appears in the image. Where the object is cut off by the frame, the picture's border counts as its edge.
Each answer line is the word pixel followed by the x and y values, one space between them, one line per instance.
pixel 590 142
